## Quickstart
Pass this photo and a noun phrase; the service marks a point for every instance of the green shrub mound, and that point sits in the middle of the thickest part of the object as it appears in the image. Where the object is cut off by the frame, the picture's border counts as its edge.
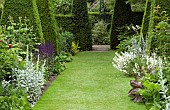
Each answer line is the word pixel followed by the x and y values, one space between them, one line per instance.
pixel 82 30
pixel 22 8
pixel 48 21
pixel 100 34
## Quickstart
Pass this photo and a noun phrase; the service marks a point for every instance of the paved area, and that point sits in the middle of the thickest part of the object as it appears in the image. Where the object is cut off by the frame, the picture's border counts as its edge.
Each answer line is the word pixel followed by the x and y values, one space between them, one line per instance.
pixel 101 48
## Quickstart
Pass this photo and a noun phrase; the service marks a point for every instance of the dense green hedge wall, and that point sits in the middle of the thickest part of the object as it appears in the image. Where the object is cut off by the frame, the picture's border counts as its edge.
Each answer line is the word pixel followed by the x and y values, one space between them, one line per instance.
pixel 82 30
pixel 22 8
pixel 65 22
pixel 48 21
pixel 122 15
pixel 94 18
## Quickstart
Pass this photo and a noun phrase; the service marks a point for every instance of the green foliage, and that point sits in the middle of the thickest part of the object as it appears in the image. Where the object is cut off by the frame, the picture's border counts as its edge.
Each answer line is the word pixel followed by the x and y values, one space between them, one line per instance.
pixel 164 5
pixel 65 41
pixel 60 60
pixel 20 34
pixel 100 34
pixel 65 22
pixel 82 31
pixel 74 48
pixel 161 40
pixel 14 39
pixel 8 60
pixel 128 34
pixel 63 6
pixel 65 57
pixel 151 90
pixel 58 66
pixel 94 7
pixel 12 97
pixel 137 5
pixel 23 8
pixel 48 21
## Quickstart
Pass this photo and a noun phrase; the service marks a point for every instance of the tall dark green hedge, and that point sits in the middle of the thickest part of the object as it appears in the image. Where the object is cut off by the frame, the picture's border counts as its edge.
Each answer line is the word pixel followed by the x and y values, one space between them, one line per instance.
pixel 82 30
pixel 65 22
pixel 122 15
pixel 22 8
pixel 48 21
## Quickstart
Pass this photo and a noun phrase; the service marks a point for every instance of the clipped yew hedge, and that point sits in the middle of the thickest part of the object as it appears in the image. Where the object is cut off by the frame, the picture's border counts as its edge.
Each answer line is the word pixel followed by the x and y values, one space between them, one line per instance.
pixel 122 15
pixel 82 30
pixel 22 8
pixel 65 22
pixel 48 21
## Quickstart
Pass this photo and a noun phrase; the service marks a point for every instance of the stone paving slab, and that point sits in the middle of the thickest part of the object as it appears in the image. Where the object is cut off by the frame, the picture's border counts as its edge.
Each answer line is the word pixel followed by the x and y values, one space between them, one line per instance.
pixel 101 48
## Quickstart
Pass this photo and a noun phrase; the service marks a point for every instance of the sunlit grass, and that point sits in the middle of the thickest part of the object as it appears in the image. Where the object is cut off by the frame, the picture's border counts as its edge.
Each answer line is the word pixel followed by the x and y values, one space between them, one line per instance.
pixel 90 82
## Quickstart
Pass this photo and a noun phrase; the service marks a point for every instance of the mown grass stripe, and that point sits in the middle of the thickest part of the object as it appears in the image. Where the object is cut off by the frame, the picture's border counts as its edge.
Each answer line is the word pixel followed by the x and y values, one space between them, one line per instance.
pixel 90 82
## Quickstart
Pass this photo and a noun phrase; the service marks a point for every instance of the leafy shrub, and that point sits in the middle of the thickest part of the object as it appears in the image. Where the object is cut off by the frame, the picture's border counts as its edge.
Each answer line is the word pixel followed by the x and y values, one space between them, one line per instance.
pixel 65 57
pixel 58 66
pixel 60 60
pixel 20 34
pixel 8 59
pixel 64 6
pixel 74 48
pixel 156 91
pixel 100 34
pixel 65 41
pixel 127 35
pixel 12 97
pixel 161 40
pixel 31 78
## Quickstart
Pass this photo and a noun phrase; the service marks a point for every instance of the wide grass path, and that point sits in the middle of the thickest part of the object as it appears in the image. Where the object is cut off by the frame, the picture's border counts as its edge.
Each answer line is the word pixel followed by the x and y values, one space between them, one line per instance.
pixel 90 82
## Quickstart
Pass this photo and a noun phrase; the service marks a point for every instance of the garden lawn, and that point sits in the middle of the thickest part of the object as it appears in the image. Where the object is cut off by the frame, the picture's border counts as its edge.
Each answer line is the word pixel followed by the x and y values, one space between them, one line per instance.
pixel 90 82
